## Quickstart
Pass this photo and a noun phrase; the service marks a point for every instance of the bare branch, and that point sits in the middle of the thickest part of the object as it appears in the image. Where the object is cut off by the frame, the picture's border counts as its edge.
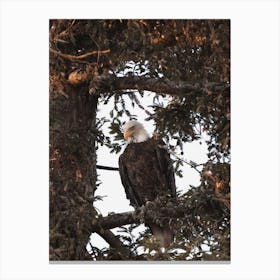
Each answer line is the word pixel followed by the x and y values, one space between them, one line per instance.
pixel 78 57
pixel 107 167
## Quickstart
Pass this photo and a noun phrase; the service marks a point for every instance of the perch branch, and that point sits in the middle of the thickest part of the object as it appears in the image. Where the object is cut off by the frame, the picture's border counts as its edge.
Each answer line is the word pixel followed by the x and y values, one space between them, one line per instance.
pixel 148 212
pixel 120 219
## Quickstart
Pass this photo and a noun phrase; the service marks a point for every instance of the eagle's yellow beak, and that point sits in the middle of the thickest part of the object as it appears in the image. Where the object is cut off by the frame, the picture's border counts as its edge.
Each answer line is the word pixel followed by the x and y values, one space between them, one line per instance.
pixel 128 133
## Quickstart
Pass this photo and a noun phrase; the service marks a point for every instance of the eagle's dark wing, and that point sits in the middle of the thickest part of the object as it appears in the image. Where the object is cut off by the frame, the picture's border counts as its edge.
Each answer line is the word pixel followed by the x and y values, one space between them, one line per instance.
pixel 166 167
pixel 146 172
pixel 131 193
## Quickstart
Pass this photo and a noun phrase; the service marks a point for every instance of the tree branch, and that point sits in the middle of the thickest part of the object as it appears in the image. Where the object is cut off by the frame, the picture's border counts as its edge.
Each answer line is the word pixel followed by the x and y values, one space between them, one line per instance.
pixel 190 163
pixel 123 252
pixel 146 213
pixel 110 83
pixel 107 167
pixel 157 209
pixel 78 57
pixel 154 212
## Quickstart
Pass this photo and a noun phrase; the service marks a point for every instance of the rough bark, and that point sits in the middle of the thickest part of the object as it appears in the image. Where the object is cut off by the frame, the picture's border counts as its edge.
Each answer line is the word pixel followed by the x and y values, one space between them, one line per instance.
pixel 147 213
pixel 111 83
pixel 72 173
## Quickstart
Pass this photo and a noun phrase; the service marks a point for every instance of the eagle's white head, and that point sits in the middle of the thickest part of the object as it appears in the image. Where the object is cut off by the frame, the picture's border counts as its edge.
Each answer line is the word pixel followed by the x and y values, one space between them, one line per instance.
pixel 134 132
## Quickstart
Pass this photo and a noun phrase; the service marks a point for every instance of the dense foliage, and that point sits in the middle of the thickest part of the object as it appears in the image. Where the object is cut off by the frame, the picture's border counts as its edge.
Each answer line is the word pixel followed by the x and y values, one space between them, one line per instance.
pixel 93 62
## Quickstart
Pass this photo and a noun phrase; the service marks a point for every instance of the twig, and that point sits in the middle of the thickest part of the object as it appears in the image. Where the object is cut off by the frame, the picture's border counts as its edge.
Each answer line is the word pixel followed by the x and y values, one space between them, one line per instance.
pixel 67 29
pixel 190 163
pixel 78 57
pixel 140 105
pixel 107 167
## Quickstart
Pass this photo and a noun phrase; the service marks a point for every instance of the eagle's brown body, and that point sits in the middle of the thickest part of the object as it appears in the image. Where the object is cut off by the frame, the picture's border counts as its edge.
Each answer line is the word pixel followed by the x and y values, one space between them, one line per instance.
pixel 147 172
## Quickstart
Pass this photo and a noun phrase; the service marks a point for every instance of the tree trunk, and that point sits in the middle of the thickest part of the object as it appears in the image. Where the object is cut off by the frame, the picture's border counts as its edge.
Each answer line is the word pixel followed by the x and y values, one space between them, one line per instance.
pixel 72 172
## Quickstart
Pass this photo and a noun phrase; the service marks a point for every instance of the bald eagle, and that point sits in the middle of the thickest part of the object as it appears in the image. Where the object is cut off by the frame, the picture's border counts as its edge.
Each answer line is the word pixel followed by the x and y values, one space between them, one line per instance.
pixel 146 172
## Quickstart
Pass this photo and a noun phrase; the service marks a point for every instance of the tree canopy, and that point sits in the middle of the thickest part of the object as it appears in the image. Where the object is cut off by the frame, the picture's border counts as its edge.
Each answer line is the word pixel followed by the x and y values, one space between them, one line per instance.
pixel 95 61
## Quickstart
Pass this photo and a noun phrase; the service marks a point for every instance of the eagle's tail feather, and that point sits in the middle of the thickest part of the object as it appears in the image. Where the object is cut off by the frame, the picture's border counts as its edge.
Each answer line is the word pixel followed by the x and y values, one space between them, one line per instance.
pixel 163 234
